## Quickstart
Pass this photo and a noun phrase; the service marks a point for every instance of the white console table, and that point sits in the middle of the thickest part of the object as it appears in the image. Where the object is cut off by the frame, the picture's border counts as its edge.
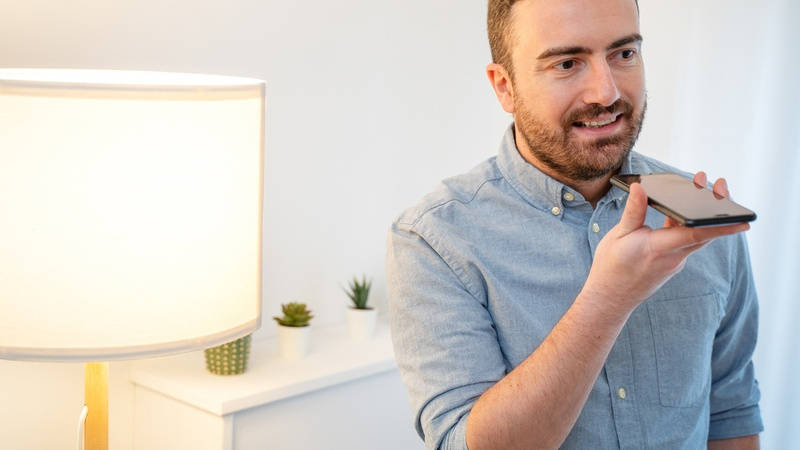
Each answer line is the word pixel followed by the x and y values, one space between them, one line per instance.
pixel 345 394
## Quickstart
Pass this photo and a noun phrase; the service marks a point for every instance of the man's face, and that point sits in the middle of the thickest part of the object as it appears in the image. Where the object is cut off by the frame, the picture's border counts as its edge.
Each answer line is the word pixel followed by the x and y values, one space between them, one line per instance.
pixel 578 83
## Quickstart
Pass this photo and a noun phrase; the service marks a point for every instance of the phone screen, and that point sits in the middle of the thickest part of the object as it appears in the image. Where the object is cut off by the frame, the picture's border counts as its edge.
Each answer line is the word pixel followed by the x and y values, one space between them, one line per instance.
pixel 684 201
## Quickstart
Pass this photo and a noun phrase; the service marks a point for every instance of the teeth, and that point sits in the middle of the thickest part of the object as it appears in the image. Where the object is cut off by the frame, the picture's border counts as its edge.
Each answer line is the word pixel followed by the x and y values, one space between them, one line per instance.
pixel 598 124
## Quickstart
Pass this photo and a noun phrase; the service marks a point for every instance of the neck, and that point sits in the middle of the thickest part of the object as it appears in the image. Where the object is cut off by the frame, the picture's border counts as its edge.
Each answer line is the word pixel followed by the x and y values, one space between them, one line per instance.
pixel 592 190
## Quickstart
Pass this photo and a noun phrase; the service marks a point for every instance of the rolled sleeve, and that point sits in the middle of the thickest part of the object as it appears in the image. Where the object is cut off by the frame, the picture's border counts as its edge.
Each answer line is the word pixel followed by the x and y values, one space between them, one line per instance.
pixel 444 339
pixel 734 389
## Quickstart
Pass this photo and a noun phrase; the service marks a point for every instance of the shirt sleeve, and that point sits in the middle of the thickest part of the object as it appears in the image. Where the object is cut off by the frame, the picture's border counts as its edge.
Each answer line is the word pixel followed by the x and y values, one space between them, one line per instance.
pixel 734 388
pixel 444 339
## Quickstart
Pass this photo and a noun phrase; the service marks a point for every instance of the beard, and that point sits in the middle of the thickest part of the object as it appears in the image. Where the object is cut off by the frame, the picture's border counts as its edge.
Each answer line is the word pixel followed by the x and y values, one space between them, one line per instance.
pixel 560 150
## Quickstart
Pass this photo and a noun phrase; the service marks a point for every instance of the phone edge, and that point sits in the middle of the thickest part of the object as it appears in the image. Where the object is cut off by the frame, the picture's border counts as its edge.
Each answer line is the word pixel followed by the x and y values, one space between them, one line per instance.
pixel 681 219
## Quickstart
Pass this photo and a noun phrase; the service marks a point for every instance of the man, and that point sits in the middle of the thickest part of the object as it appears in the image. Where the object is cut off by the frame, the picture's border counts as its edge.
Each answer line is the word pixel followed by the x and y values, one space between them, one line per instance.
pixel 535 306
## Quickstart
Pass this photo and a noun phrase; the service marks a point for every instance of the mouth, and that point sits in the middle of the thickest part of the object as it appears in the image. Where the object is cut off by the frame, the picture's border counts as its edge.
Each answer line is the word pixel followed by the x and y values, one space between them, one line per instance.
pixel 598 122
pixel 599 126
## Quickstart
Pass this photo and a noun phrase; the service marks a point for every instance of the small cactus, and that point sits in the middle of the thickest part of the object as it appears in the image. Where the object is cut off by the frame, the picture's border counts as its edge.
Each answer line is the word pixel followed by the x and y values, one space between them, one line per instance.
pixel 295 314
pixel 359 292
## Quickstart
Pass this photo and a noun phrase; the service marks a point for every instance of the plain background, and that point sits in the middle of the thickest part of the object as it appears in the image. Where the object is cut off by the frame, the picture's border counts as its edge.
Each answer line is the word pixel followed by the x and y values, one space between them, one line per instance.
pixel 369 104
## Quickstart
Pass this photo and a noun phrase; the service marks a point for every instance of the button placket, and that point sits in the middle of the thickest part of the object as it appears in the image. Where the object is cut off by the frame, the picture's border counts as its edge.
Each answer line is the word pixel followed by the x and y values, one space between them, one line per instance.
pixel 619 375
pixel 593 230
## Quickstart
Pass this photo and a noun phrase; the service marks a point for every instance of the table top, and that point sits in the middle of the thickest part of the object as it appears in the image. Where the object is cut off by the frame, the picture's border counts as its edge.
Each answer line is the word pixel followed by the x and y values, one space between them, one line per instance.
pixel 333 358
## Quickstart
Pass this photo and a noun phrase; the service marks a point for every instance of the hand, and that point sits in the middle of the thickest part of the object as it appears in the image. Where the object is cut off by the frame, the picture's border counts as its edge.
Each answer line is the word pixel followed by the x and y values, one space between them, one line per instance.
pixel 720 190
pixel 632 261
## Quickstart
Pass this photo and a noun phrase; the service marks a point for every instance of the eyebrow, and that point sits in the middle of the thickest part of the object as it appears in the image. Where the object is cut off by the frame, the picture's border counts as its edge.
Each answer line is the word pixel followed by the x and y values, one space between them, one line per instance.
pixel 576 50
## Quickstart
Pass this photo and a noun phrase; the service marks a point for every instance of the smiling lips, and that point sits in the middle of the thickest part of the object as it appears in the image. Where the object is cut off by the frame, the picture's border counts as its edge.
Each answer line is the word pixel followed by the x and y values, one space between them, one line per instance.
pixel 598 123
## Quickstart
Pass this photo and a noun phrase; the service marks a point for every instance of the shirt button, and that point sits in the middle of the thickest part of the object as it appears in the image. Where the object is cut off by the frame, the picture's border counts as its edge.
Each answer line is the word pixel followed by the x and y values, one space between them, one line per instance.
pixel 621 393
pixel 595 227
pixel 568 196
pixel 556 210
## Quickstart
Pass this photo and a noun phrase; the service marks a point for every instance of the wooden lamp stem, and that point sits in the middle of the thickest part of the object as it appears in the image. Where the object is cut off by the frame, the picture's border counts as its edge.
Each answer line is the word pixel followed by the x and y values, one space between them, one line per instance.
pixel 95 396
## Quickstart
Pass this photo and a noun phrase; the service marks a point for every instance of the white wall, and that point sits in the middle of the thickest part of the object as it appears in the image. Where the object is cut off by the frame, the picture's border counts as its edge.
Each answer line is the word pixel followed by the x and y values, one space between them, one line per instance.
pixel 370 103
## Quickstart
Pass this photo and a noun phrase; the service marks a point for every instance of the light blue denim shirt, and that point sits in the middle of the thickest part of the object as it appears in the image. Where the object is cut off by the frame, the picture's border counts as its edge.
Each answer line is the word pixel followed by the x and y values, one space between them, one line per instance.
pixel 481 270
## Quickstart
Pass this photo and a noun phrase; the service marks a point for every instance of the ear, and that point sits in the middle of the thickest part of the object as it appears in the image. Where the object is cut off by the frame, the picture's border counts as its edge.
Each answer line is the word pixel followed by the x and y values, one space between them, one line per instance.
pixel 502 85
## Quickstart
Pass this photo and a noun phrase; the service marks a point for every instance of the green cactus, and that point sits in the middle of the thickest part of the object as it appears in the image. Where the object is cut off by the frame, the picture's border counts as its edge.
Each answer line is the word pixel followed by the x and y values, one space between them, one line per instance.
pixel 359 292
pixel 295 314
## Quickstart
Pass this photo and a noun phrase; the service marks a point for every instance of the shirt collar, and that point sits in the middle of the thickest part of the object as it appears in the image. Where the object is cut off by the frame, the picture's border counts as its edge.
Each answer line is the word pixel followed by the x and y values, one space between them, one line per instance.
pixel 542 191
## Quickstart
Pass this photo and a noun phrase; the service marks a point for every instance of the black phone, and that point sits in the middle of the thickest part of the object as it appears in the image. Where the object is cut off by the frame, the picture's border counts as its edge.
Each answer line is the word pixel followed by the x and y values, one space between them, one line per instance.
pixel 688 204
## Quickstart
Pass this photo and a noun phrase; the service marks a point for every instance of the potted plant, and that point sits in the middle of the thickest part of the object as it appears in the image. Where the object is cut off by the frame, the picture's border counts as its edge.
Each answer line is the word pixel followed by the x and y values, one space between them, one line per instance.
pixel 360 317
pixel 294 330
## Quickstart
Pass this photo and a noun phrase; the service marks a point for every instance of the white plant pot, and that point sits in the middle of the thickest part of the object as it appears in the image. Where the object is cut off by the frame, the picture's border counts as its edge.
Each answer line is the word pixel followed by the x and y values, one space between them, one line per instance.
pixel 293 341
pixel 361 323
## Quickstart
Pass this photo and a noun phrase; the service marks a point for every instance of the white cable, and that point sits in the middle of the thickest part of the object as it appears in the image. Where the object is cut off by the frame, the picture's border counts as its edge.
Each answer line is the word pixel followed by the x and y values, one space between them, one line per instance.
pixel 81 424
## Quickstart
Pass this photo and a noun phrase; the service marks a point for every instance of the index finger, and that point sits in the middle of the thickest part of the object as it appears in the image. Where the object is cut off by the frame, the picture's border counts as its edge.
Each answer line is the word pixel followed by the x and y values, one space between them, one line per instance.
pixel 721 188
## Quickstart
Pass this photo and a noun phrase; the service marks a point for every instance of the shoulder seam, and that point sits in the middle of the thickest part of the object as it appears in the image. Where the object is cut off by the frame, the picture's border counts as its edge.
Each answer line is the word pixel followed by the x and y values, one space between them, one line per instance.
pixel 474 194
pixel 435 244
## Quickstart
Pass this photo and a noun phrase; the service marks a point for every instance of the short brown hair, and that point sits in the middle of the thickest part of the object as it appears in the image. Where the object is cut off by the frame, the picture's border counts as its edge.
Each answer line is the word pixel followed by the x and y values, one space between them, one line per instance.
pixel 501 33
pixel 498 24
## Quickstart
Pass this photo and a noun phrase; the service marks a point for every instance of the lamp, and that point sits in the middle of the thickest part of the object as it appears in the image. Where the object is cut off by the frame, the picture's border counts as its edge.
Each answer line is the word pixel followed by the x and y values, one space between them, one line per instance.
pixel 131 217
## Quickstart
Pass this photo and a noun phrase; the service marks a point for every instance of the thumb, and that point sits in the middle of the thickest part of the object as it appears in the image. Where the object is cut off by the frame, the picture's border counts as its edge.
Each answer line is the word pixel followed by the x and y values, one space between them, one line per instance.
pixel 635 210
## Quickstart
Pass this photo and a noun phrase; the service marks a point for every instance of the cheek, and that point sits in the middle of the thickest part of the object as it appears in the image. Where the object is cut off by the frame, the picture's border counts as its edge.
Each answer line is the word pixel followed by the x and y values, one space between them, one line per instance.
pixel 632 87
pixel 551 107
pixel 549 102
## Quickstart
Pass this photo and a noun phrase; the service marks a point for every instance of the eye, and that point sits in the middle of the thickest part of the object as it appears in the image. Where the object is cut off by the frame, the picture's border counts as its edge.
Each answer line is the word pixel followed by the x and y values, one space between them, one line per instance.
pixel 566 65
pixel 627 54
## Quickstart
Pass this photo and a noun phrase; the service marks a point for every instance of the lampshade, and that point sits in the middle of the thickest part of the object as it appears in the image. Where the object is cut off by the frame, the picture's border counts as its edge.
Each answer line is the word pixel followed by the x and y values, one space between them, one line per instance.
pixel 130 212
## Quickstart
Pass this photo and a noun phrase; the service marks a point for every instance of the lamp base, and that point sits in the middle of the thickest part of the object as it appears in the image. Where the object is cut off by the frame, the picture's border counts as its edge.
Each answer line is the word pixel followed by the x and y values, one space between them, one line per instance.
pixel 95 397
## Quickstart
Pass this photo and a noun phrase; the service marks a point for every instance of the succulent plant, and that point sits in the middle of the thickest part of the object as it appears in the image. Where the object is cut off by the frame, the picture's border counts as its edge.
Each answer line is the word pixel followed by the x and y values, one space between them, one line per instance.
pixel 295 314
pixel 358 291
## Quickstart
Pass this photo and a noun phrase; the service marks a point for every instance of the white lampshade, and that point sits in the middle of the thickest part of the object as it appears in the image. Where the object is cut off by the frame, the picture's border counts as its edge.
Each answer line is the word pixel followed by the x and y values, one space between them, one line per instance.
pixel 130 213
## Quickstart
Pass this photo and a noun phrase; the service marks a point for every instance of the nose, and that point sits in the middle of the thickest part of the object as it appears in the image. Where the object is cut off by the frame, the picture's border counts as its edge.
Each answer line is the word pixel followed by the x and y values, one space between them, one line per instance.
pixel 601 88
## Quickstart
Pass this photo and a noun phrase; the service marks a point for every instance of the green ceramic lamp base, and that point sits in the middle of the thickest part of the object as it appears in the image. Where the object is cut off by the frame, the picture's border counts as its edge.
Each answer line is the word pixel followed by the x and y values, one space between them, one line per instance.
pixel 230 358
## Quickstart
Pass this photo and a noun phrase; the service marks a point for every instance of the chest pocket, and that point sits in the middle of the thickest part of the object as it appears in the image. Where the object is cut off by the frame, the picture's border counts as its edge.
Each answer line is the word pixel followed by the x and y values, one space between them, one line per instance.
pixel 683 334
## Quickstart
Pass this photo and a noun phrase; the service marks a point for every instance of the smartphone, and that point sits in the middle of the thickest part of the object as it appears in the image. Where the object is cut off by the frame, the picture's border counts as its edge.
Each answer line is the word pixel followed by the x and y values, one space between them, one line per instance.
pixel 688 204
